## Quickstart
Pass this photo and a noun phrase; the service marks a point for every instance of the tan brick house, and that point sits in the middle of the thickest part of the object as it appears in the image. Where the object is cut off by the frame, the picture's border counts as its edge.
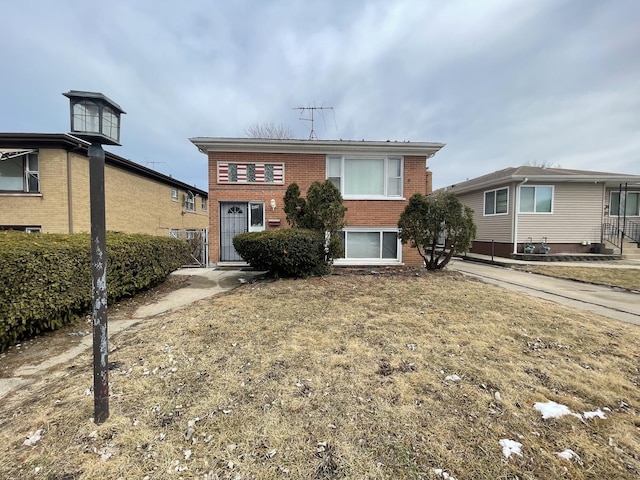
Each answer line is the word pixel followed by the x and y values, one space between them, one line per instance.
pixel 248 178
pixel 44 187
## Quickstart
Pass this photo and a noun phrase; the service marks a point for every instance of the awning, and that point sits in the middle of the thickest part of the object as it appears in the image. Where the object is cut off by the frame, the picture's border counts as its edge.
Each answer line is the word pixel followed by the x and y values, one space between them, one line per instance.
pixel 7 153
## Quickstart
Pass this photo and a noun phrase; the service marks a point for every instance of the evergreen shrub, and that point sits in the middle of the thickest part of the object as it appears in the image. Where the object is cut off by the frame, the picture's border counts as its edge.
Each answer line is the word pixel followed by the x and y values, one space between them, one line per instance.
pixel 287 252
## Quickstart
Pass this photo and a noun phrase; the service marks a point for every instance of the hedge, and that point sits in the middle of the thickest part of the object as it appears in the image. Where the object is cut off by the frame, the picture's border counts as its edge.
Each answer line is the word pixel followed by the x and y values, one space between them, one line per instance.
pixel 45 279
pixel 287 252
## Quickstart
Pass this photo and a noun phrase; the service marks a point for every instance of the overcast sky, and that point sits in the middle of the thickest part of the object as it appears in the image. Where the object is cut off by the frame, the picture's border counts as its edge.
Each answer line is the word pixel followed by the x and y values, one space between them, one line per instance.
pixel 501 83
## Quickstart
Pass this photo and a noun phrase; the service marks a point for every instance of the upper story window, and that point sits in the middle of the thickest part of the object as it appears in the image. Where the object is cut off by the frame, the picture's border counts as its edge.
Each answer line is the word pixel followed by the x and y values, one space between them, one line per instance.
pixel 189 202
pixel 174 194
pixel 626 205
pixel 203 203
pixel 496 202
pixel 536 199
pixel 360 177
pixel 19 171
pixel 251 173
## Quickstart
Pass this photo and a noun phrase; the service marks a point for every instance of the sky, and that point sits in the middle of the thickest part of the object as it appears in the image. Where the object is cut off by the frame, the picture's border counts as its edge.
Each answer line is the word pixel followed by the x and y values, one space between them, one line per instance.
pixel 501 83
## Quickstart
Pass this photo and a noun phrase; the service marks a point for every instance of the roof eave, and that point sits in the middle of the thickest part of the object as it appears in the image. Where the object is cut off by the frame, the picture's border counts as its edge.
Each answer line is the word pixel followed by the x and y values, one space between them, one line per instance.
pixel 250 145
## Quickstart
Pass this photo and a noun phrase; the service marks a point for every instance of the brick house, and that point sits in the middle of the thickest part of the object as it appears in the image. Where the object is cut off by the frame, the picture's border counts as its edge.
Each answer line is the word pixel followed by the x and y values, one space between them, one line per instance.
pixel 44 187
pixel 248 178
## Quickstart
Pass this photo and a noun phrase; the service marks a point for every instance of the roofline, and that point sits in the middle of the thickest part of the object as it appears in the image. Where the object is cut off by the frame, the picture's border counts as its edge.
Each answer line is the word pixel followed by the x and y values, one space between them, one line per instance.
pixel 75 144
pixel 607 179
pixel 265 145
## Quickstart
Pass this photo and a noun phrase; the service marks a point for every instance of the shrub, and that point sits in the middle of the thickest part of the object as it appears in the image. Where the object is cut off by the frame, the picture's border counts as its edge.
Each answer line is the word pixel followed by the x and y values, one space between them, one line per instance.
pixel 288 252
pixel 438 226
pixel 45 279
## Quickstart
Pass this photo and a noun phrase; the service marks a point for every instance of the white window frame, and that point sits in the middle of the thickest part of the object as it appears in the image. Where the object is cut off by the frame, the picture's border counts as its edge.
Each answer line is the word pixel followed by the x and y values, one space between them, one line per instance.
pixel 25 157
pixel 174 233
pixel 495 202
pixel 259 227
pixel 189 202
pixel 203 203
pixel 340 181
pixel 374 260
pixel 536 187
pixel 619 193
pixel 174 194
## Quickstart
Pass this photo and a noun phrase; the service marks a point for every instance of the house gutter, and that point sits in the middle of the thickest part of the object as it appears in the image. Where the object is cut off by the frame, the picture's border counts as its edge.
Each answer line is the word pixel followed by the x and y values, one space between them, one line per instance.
pixel 69 193
pixel 516 208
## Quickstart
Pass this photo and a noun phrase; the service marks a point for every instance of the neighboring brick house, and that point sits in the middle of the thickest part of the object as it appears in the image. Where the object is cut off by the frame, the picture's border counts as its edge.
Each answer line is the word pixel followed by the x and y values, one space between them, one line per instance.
pixel 44 187
pixel 248 179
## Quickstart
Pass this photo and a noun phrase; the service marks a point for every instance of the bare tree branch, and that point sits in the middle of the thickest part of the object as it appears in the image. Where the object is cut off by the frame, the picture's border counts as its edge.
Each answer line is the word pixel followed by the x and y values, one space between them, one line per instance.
pixel 269 130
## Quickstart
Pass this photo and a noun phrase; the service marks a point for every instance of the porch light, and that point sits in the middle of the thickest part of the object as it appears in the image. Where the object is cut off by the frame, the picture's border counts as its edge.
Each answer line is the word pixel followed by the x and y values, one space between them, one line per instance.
pixel 94 117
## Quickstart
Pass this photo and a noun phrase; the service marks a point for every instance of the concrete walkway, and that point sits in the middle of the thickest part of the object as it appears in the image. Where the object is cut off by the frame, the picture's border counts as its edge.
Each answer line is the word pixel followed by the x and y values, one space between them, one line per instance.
pixel 609 302
pixel 203 283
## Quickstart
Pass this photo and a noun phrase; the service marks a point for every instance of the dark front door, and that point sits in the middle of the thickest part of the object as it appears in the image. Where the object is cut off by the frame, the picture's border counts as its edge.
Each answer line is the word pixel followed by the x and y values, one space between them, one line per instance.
pixel 233 220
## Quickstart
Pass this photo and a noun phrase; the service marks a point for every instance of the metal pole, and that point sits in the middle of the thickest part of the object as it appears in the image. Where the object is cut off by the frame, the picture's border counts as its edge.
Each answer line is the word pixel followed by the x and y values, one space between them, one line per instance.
pixel 99 284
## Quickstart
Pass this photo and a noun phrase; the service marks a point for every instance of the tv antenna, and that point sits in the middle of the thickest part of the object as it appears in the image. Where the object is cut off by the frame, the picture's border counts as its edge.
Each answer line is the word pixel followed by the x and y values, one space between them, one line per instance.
pixel 310 117
pixel 153 164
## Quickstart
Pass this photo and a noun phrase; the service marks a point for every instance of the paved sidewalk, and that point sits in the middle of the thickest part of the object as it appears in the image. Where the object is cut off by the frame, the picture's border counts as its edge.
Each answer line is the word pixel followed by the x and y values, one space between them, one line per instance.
pixel 609 302
pixel 204 283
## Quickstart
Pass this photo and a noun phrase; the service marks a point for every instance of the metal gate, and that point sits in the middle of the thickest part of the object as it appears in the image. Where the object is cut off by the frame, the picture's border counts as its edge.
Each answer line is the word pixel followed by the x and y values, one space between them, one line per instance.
pixel 198 240
pixel 233 220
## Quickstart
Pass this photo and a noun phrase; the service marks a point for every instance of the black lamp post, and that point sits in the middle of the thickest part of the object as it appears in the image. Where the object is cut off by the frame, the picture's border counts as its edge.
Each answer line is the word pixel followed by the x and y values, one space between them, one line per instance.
pixel 96 118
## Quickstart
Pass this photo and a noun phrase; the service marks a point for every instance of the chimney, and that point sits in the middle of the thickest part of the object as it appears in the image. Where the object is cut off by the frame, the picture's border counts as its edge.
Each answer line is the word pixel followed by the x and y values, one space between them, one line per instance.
pixel 429 181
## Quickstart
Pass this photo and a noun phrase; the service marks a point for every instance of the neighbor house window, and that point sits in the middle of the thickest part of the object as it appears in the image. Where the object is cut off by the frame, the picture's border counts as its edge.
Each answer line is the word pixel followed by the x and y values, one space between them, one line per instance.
pixel 361 177
pixel 203 203
pixel 370 245
pixel 19 172
pixel 174 194
pixel 496 202
pixel 626 205
pixel 536 199
pixel 174 233
pixel 251 173
pixel 190 202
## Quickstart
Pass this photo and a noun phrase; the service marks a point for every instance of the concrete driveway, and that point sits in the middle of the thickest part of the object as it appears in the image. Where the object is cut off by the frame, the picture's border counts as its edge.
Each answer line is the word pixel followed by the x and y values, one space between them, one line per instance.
pixel 609 302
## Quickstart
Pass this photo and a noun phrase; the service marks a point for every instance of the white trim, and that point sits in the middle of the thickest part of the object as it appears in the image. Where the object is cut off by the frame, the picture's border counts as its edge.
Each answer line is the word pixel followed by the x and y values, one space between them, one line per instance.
pixel 218 144
pixel 553 193
pixel 385 169
pixel 495 202
pixel 372 260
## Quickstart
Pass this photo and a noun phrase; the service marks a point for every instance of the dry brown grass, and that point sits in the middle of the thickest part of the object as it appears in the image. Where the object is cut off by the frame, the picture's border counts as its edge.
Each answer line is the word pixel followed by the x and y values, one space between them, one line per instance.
pixel 343 377
pixel 627 278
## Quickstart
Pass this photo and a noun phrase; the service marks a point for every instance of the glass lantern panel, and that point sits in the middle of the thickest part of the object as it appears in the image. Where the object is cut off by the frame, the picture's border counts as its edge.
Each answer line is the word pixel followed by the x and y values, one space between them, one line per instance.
pixel 109 123
pixel 86 117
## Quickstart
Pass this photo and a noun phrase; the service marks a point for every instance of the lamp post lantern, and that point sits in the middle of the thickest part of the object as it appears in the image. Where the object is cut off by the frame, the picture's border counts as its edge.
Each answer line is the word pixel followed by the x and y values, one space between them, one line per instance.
pixel 96 118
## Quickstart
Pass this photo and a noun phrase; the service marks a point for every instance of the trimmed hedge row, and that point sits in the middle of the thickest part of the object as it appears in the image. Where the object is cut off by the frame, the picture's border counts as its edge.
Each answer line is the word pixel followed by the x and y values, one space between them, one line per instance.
pixel 45 279
pixel 287 252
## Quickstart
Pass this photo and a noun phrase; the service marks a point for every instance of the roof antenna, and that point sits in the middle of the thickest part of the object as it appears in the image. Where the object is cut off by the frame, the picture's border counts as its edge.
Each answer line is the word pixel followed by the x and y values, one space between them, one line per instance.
pixel 310 118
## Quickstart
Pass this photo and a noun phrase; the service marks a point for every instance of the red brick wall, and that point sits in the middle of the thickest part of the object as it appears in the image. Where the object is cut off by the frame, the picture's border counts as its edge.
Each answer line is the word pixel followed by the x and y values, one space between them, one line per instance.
pixel 304 169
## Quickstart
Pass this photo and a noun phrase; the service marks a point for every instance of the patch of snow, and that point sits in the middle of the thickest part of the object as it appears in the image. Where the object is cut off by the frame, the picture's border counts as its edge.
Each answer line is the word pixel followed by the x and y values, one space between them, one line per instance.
pixel 510 446
pixel 568 454
pixel 452 378
pixel 441 473
pixel 33 438
pixel 598 413
pixel 552 409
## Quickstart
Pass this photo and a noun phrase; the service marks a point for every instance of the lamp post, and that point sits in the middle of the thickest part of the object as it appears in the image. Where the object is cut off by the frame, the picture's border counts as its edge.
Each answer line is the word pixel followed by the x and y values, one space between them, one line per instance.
pixel 96 118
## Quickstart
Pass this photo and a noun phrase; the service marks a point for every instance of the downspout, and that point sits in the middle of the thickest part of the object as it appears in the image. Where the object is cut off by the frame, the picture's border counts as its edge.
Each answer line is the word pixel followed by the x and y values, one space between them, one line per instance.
pixel 69 194
pixel 516 208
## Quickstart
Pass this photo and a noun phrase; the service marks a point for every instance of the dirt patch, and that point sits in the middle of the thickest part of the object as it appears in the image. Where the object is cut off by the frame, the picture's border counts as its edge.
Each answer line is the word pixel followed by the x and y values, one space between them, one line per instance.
pixel 51 344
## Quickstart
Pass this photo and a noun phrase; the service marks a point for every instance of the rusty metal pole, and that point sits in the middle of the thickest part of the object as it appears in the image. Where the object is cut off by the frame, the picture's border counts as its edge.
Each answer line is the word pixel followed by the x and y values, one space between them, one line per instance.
pixel 99 284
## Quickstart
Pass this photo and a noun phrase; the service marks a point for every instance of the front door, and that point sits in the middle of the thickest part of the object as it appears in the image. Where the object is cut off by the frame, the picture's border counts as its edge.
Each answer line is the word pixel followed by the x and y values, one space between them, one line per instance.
pixel 235 218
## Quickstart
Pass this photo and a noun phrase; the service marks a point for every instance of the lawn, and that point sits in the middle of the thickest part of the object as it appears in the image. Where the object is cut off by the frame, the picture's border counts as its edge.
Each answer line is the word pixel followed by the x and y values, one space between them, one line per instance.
pixel 627 278
pixel 426 375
